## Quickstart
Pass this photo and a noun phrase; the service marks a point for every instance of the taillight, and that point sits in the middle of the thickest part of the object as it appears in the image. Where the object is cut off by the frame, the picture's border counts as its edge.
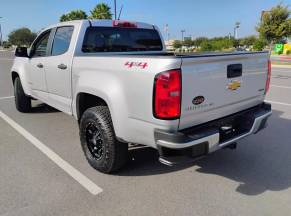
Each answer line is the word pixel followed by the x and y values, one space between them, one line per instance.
pixel 167 95
pixel 124 24
pixel 267 87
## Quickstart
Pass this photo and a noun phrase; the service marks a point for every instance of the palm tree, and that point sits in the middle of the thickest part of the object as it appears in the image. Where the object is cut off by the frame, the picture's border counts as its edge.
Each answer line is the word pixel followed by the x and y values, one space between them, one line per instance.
pixel 101 11
pixel 73 15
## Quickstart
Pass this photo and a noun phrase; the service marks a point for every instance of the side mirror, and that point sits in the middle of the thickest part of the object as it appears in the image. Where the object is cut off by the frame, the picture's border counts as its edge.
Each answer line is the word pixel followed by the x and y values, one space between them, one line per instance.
pixel 21 52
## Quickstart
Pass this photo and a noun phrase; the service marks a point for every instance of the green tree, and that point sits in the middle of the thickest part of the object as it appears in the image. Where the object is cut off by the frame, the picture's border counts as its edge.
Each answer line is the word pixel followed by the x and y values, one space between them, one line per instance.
pixel 177 44
pixel 259 44
pixel 187 42
pixel 216 44
pixel 198 41
pixel 101 11
pixel 223 43
pixel 21 37
pixel 249 41
pixel 73 15
pixel 6 44
pixel 275 25
pixel 206 45
pixel 236 42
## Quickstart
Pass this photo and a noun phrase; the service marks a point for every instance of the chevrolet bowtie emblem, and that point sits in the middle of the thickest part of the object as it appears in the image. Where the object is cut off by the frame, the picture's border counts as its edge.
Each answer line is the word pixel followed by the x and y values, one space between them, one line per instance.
pixel 234 85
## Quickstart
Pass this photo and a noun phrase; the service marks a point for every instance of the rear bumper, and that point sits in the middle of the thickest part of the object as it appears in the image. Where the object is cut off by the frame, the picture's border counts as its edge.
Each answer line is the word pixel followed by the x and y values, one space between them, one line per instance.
pixel 211 135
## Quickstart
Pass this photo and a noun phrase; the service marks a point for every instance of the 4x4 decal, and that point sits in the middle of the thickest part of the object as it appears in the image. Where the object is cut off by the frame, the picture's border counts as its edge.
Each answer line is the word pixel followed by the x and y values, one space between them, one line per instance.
pixel 142 65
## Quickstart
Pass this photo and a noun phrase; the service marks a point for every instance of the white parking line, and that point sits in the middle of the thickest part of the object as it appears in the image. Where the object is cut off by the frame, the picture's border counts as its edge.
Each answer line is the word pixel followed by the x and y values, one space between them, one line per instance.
pixel 279 86
pixel 69 169
pixel 4 98
pixel 279 103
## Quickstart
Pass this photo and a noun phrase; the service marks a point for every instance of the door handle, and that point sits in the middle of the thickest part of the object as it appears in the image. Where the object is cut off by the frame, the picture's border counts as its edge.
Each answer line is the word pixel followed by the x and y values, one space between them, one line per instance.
pixel 62 66
pixel 234 70
pixel 39 65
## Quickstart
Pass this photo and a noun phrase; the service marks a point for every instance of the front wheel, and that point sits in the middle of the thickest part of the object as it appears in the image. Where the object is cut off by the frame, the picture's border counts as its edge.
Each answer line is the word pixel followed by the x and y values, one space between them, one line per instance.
pixel 101 148
pixel 22 102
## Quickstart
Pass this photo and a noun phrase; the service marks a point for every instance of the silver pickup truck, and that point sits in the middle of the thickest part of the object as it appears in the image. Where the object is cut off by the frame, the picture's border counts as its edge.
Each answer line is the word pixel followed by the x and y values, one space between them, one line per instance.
pixel 118 81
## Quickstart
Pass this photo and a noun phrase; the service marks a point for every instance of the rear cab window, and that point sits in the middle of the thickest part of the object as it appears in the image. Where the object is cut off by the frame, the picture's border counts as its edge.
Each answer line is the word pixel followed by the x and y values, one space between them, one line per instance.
pixel 62 40
pixel 116 39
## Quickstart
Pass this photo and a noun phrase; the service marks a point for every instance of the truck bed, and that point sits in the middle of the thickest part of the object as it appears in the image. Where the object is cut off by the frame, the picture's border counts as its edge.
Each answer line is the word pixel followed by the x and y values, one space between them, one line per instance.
pixel 205 75
pixel 189 55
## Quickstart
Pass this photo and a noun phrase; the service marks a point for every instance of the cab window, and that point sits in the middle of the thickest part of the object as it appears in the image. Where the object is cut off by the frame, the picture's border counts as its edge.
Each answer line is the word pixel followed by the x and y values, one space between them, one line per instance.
pixel 62 40
pixel 40 47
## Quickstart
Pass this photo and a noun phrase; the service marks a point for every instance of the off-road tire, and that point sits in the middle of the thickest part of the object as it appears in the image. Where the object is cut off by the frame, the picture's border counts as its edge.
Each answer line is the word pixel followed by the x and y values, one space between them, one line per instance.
pixel 115 153
pixel 22 101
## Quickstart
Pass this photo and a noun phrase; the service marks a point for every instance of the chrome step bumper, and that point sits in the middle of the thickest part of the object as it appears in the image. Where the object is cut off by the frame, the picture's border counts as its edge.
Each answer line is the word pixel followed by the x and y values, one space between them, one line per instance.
pixel 210 135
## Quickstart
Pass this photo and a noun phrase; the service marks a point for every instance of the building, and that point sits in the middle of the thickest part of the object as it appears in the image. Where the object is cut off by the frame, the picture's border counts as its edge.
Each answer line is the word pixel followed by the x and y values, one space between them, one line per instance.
pixel 169 44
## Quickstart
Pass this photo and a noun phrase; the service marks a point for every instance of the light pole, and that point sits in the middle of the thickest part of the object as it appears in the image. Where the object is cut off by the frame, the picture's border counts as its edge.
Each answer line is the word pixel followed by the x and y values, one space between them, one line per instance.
pixel 0 33
pixel 115 9
pixel 167 32
pixel 236 27
pixel 183 31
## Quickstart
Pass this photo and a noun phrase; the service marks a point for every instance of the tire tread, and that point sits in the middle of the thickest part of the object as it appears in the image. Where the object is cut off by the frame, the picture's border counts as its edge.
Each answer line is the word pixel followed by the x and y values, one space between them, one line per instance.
pixel 22 101
pixel 118 151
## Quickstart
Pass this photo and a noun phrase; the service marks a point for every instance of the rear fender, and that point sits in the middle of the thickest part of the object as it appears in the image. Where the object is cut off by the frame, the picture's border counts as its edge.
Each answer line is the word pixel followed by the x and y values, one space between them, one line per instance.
pixel 110 90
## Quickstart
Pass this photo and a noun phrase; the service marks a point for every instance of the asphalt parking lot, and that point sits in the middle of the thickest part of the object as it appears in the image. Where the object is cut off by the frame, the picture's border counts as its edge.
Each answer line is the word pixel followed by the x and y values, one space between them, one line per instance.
pixel 47 174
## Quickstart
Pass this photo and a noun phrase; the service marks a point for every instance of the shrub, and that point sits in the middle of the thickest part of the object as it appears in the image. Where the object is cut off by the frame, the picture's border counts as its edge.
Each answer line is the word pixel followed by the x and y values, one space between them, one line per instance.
pixel 259 45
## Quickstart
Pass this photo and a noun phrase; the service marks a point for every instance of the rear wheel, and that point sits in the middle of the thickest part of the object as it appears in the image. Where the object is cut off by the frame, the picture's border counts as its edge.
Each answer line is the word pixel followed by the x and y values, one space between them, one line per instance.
pixel 22 102
pixel 101 148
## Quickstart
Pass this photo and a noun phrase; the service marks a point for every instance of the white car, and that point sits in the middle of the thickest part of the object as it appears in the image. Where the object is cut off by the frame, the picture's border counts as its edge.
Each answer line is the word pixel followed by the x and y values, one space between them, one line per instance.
pixel 118 81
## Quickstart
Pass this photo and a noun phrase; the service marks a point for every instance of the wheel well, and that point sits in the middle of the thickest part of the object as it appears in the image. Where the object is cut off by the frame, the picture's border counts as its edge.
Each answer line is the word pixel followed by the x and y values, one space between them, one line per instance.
pixel 85 101
pixel 14 76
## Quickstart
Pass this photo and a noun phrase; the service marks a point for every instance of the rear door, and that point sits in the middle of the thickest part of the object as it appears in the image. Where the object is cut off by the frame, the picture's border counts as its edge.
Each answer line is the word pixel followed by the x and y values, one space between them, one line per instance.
pixel 58 69
pixel 215 86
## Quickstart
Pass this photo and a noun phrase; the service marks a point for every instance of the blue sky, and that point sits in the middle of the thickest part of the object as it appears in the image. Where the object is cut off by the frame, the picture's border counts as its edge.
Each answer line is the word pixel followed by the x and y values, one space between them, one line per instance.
pixel 198 17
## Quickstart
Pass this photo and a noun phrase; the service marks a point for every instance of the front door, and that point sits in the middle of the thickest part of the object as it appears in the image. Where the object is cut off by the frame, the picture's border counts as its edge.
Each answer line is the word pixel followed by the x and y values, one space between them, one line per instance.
pixel 36 66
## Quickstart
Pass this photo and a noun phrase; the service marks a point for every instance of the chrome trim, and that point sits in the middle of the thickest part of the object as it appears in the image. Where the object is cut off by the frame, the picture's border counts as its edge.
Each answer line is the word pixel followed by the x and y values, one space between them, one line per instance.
pixel 212 140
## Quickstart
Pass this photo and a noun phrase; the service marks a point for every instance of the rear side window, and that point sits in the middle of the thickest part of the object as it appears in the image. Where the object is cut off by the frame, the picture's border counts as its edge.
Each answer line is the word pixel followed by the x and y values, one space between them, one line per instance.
pixel 62 40
pixel 115 39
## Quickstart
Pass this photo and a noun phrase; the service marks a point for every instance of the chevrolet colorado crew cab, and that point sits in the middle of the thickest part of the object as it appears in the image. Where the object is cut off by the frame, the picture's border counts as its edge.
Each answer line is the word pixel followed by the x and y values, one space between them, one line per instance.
pixel 116 78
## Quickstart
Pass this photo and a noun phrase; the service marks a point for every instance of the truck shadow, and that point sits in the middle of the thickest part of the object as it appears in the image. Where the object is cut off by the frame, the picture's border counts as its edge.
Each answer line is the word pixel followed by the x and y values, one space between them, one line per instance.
pixel 145 161
pixel 261 163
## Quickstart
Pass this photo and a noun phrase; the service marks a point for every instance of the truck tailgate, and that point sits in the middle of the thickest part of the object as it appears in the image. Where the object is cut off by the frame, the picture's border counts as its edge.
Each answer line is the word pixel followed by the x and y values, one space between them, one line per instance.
pixel 214 86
